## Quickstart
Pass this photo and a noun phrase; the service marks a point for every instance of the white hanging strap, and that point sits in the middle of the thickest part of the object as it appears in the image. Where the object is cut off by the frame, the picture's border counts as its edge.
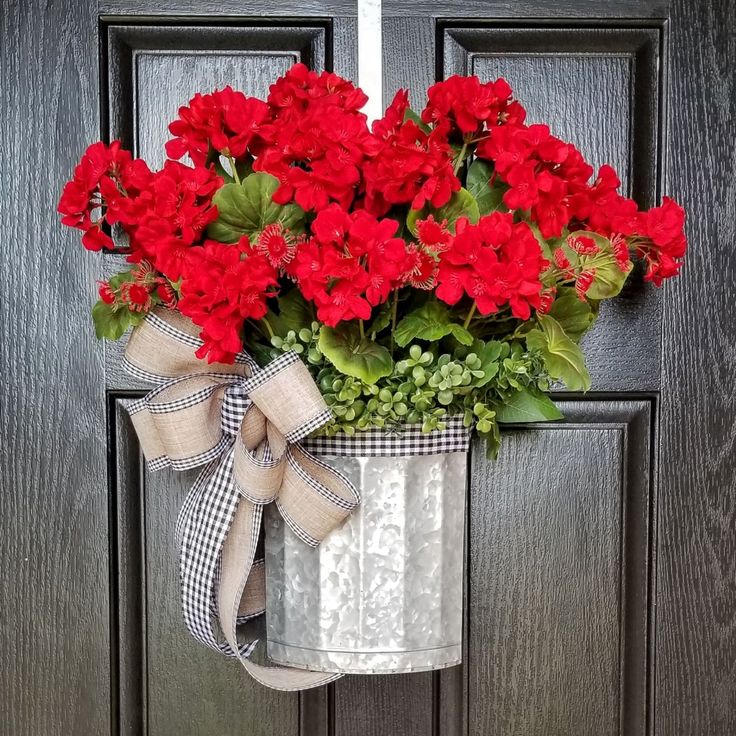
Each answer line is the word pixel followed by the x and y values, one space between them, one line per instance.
pixel 370 57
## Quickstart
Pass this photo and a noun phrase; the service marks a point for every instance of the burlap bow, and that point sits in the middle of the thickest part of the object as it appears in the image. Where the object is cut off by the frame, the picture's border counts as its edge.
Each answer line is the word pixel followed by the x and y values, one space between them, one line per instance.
pixel 244 424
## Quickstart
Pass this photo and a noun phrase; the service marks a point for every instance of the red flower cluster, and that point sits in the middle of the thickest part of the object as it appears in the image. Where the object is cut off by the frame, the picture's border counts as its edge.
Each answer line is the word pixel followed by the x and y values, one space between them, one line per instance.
pixel 543 173
pixel 663 245
pixel 227 121
pixel 169 217
pixel 466 105
pixel 316 139
pixel 164 213
pixel 411 166
pixel 495 263
pixel 103 179
pixel 351 264
pixel 311 136
pixel 223 286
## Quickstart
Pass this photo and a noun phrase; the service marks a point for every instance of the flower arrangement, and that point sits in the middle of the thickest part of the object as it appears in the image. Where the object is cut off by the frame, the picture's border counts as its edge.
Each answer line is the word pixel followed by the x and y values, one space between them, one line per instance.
pixel 439 263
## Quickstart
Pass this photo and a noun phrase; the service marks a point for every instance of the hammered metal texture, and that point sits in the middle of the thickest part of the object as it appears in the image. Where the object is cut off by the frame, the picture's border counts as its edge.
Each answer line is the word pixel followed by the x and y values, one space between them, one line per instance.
pixel 383 593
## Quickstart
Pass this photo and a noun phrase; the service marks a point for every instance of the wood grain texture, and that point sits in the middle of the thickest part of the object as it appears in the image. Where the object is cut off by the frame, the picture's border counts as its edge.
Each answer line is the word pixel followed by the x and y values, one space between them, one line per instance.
pixel 53 501
pixel 387 705
pixel 539 10
pixel 558 577
pixel 696 593
pixel 233 10
pixel 170 684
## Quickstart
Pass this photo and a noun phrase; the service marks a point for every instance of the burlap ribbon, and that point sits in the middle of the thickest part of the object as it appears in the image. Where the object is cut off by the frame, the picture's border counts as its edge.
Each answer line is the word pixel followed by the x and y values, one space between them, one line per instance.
pixel 244 424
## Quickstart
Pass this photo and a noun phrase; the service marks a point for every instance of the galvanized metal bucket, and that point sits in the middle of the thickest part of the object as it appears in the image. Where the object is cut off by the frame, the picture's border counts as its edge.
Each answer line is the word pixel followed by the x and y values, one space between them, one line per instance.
pixel 383 593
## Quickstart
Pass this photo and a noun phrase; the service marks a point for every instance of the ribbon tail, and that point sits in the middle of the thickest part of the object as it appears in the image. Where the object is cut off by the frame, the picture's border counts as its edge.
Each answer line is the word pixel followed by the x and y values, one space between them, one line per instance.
pixel 242 590
pixel 202 529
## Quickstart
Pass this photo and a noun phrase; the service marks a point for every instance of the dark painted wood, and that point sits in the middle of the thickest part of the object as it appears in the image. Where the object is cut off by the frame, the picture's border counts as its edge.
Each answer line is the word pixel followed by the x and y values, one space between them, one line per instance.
pixel 558 576
pixel 389 705
pixel 128 560
pixel 696 591
pixel 54 604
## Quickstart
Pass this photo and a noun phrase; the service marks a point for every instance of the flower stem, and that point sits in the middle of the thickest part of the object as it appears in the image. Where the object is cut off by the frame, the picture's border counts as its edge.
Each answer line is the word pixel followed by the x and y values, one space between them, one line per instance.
pixel 234 170
pixel 460 158
pixel 469 317
pixel 362 328
pixel 268 326
pixel 394 313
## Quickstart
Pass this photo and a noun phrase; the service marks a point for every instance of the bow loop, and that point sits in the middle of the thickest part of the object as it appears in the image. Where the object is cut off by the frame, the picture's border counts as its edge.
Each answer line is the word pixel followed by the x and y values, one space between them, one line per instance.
pixel 286 393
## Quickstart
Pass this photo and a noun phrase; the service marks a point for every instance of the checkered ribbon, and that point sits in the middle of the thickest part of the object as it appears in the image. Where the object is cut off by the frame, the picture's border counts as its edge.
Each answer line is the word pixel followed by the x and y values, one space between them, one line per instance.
pixel 244 425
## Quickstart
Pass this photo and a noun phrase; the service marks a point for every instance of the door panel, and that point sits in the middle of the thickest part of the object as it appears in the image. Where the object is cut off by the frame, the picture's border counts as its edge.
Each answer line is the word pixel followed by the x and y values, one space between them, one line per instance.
pixel 559 555
pixel 597 87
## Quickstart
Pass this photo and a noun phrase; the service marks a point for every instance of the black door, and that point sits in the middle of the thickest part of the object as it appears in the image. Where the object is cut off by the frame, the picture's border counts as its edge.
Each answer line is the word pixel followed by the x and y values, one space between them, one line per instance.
pixel 601 575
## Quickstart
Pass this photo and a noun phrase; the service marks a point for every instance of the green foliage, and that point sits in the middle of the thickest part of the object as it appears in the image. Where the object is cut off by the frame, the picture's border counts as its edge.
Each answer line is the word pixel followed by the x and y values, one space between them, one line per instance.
pixel 294 313
pixel 461 204
pixel 487 382
pixel 353 354
pixel 112 322
pixel 430 322
pixel 488 196
pixel 574 315
pixel 562 357
pixel 527 405
pixel 247 208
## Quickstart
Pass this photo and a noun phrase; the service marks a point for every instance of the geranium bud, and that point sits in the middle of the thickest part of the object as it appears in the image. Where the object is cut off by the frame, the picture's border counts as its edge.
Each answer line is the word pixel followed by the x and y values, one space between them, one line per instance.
pixel 584 282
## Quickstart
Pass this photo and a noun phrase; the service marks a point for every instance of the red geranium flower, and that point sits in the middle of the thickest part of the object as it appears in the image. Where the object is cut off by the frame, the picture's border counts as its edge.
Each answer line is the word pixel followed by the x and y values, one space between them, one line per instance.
pixel 352 263
pixel 226 120
pixel 222 287
pixel 410 166
pixel 495 263
pixel 466 105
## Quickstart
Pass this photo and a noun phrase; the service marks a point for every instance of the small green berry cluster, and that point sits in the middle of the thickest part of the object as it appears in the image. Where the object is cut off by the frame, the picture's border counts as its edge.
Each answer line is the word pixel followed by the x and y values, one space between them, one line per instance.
pixel 304 342
pixel 426 387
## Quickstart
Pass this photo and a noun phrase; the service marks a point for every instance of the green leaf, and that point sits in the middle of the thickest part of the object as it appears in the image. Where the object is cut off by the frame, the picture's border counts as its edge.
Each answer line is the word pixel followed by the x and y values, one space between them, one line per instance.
pixel 381 321
pixel 430 322
pixel 294 312
pixel 409 114
pixel 247 208
pixel 489 354
pixel 461 204
pixel 113 323
pixel 574 315
pixel 493 441
pixel 527 406
pixel 489 197
pixel 354 355
pixel 562 357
